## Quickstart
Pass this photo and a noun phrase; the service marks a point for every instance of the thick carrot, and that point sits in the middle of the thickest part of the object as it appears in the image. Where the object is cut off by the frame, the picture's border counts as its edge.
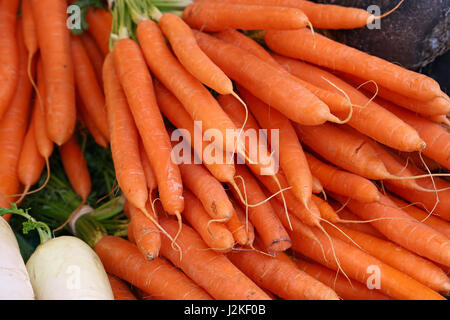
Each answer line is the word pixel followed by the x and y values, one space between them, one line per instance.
pixel 434 222
pixel 145 234
pixel 195 98
pixel 322 16
pixel 347 291
pixel 54 42
pixel 402 229
pixel 172 108
pixel 210 270
pixel 216 16
pixel 13 126
pixel 368 118
pixel 95 55
pixel 355 186
pixel 265 81
pixel 215 234
pixel 283 279
pixel 88 87
pixel 120 290
pixel 138 87
pixel 76 169
pixel 157 277
pixel 401 259
pixel 9 59
pixel 31 163
pixel 359 265
pixel 100 24
pixel 320 50
pixel 266 222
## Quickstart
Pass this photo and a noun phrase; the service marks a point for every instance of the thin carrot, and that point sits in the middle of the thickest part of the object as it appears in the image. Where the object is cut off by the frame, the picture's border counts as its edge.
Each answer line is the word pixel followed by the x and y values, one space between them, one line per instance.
pixel 236 225
pixel 358 265
pixel 283 279
pixel 89 123
pixel 120 290
pixel 369 117
pixel 95 55
pixel 210 270
pixel 88 87
pixel 9 59
pixel 402 229
pixel 145 234
pixel 13 128
pixel 317 186
pixel 138 87
pixel 320 50
pixel 216 16
pixel 150 177
pixel 29 32
pixel 100 24
pixel 401 259
pixel 215 234
pixel 355 186
pixel 265 81
pixel 54 42
pixel 157 277
pixel 244 223
pixel 347 291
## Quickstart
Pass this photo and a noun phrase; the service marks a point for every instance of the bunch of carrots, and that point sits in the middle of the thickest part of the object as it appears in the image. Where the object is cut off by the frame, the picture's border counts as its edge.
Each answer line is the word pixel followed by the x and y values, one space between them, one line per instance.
pixel 355 203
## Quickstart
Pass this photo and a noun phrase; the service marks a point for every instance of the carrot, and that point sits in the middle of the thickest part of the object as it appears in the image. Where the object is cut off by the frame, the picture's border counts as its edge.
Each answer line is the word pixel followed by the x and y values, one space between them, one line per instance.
pixel 150 177
pixel 100 24
pixel 355 186
pixel 358 265
pixel 403 260
pixel 144 232
pixel 267 224
pixel 236 225
pixel 215 234
pixel 322 16
pixel 13 127
pixel 368 119
pixel 318 49
pixel 186 49
pixel 29 32
pixel 54 42
pixel 88 87
pixel 435 136
pixel 283 279
pixel 402 229
pixel 89 123
pixel 216 16
pixel 441 119
pixel 120 290
pixel 157 277
pixel 243 222
pixel 195 98
pixel 95 55
pixel 347 291
pixel 76 169
pixel 138 87
pixel 417 161
pixel 31 163
pixel 9 59
pixel 429 220
pixel 317 186
pixel 266 82
pixel 210 270
pixel 172 108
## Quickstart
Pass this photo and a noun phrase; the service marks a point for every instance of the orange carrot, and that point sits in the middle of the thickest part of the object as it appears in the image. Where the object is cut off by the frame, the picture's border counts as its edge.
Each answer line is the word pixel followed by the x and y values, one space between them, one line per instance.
pixel 148 170
pixel 359 265
pixel 265 81
pixel 100 24
pixel 54 42
pixel 216 16
pixel 320 50
pixel 89 123
pixel 355 186
pixel 120 290
pixel 215 234
pixel 95 55
pixel 138 87
pixel 88 87
pixel 237 226
pixel 347 291
pixel 9 59
pixel 210 270
pixel 29 31
pixel 157 277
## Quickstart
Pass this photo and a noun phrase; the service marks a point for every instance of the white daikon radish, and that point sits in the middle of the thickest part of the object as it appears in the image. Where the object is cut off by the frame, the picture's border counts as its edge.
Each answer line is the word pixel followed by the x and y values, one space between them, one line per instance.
pixel 66 268
pixel 14 280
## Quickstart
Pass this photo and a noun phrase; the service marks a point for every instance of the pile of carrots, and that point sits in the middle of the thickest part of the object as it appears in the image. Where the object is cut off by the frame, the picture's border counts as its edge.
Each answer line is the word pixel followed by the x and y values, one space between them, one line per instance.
pixel 354 203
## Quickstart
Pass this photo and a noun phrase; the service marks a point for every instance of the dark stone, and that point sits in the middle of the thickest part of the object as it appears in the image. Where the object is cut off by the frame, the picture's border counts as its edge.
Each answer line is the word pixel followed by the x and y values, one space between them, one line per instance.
pixel 413 36
pixel 439 70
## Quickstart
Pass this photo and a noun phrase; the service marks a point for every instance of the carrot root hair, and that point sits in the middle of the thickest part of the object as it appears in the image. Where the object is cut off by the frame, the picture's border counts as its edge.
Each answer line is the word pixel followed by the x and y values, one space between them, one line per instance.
pixel 26 191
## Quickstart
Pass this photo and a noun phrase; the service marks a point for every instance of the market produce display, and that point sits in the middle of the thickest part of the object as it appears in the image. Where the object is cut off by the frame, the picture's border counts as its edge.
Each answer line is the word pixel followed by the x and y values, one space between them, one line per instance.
pixel 215 150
